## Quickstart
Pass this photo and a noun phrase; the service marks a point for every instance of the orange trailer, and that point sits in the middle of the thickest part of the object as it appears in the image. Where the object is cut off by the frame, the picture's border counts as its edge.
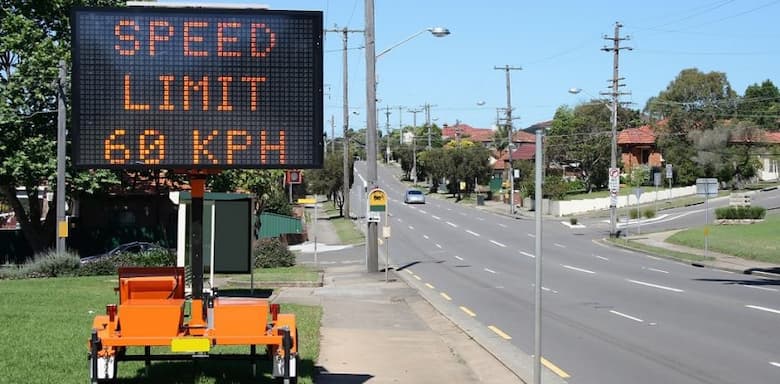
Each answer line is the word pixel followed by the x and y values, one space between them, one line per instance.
pixel 153 310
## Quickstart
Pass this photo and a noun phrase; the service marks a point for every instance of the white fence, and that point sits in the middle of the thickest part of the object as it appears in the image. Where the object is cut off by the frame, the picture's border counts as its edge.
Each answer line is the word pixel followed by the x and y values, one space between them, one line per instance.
pixel 571 207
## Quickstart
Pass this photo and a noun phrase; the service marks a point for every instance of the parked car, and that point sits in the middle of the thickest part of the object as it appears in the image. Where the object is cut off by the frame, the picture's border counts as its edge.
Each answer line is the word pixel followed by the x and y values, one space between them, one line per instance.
pixel 133 247
pixel 414 196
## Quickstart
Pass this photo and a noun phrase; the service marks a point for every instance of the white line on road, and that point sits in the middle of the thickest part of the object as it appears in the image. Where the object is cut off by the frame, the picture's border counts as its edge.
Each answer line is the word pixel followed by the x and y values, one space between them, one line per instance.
pixel 657 270
pixel 502 225
pixel 530 235
pixel 412 228
pixel 577 269
pixel 423 212
pixel 497 243
pixel 463 214
pixel 426 237
pixel 489 270
pixel 652 257
pixel 458 257
pixel 601 257
pixel 548 289
pixel 481 218
pixel 764 309
pixel 473 233
pixel 438 246
pixel 655 286
pixel 453 225
pixel 399 220
pixel 627 316
pixel 559 245
pixel 527 254
pixel 449 209
pixel 776 364
pixel 436 217
pixel 630 252
pixel 757 287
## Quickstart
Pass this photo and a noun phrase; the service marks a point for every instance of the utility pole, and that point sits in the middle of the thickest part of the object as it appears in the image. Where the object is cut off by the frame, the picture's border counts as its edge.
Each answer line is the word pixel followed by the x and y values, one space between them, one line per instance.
pixel 507 68
pixel 387 126
pixel 401 124
pixel 615 93
pixel 344 34
pixel 372 244
pixel 414 113
pixel 427 108
pixel 332 134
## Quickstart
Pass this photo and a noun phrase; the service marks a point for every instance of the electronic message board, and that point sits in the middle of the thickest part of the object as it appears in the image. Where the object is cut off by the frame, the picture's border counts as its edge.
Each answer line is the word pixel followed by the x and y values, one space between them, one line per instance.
pixel 196 88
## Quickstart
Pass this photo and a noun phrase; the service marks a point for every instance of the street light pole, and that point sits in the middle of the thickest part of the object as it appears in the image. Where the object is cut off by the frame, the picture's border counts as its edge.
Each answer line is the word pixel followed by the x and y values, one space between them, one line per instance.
pixel 372 261
pixel 372 253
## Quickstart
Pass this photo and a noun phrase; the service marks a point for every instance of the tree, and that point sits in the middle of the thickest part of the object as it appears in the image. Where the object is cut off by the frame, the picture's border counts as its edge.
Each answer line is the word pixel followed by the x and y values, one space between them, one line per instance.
pixel 34 36
pixel 583 135
pixel 761 105
pixel 329 180
pixel 693 101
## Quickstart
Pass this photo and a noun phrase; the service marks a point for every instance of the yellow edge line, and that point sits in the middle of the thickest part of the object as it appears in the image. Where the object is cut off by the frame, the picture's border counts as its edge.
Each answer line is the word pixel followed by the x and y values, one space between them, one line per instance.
pixel 499 332
pixel 468 311
pixel 430 286
pixel 554 368
pixel 444 295
pixel 417 277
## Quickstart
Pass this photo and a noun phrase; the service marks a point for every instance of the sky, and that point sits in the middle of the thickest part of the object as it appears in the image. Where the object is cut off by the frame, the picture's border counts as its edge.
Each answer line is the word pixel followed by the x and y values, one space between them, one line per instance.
pixel 556 43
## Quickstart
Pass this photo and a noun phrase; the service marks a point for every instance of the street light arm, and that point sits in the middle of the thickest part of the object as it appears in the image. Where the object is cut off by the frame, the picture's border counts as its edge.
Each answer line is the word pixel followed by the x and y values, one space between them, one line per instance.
pixel 402 42
pixel 437 32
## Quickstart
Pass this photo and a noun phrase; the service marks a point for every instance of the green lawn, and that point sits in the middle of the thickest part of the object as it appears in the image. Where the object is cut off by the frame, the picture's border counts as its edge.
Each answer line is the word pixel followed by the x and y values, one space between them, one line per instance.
pixel 46 324
pixel 658 251
pixel 294 273
pixel 759 241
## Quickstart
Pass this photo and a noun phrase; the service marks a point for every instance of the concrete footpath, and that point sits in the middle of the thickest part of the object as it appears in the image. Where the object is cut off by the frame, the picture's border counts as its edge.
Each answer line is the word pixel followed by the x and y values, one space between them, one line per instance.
pixel 375 331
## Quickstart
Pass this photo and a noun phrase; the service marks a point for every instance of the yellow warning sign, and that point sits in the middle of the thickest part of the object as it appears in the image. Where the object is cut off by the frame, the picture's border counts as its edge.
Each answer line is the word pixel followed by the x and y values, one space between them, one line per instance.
pixel 377 200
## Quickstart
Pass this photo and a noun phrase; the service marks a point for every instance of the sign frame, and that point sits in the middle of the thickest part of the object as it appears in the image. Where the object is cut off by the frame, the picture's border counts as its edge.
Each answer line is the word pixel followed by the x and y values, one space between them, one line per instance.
pixel 296 135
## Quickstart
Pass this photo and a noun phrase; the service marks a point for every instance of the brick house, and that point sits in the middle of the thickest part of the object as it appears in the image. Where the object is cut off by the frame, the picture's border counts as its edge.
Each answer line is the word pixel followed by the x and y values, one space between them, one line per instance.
pixel 638 148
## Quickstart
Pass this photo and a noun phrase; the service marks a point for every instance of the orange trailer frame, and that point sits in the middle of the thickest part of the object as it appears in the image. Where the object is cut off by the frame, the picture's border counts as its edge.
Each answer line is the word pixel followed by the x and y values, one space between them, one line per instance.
pixel 152 313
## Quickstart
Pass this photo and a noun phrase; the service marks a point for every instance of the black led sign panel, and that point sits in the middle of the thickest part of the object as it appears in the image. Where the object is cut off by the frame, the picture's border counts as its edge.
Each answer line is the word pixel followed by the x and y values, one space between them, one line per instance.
pixel 196 88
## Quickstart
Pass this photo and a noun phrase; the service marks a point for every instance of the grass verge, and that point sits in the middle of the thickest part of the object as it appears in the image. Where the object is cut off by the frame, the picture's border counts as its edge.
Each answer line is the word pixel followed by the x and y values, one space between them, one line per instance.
pixel 756 241
pixel 294 273
pixel 658 251
pixel 46 323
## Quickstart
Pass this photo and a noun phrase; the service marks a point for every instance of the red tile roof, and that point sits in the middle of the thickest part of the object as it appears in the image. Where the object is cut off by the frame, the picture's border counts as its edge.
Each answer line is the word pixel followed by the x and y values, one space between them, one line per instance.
pixel 524 151
pixel 772 137
pixel 523 137
pixel 481 135
pixel 641 135
pixel 762 137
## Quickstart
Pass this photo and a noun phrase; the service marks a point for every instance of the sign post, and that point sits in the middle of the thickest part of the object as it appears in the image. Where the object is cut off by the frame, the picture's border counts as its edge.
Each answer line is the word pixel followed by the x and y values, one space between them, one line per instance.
pixel 707 187
pixel 669 175
pixel 377 204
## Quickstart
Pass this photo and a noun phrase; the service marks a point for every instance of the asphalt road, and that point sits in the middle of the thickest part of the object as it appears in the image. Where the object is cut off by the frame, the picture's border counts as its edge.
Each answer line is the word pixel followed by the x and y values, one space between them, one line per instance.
pixel 609 315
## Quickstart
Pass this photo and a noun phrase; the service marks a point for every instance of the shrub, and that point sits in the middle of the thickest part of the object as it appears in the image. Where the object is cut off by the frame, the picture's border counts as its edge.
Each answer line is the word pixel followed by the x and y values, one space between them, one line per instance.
pixel 634 213
pixel 649 213
pixel 109 265
pixel 48 264
pixel 573 221
pixel 271 253
pixel 739 213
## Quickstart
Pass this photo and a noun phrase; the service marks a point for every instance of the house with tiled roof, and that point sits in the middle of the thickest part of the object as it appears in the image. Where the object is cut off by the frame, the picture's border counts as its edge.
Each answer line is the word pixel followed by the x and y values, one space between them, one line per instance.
pixel 770 164
pixel 638 148
pixel 482 136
